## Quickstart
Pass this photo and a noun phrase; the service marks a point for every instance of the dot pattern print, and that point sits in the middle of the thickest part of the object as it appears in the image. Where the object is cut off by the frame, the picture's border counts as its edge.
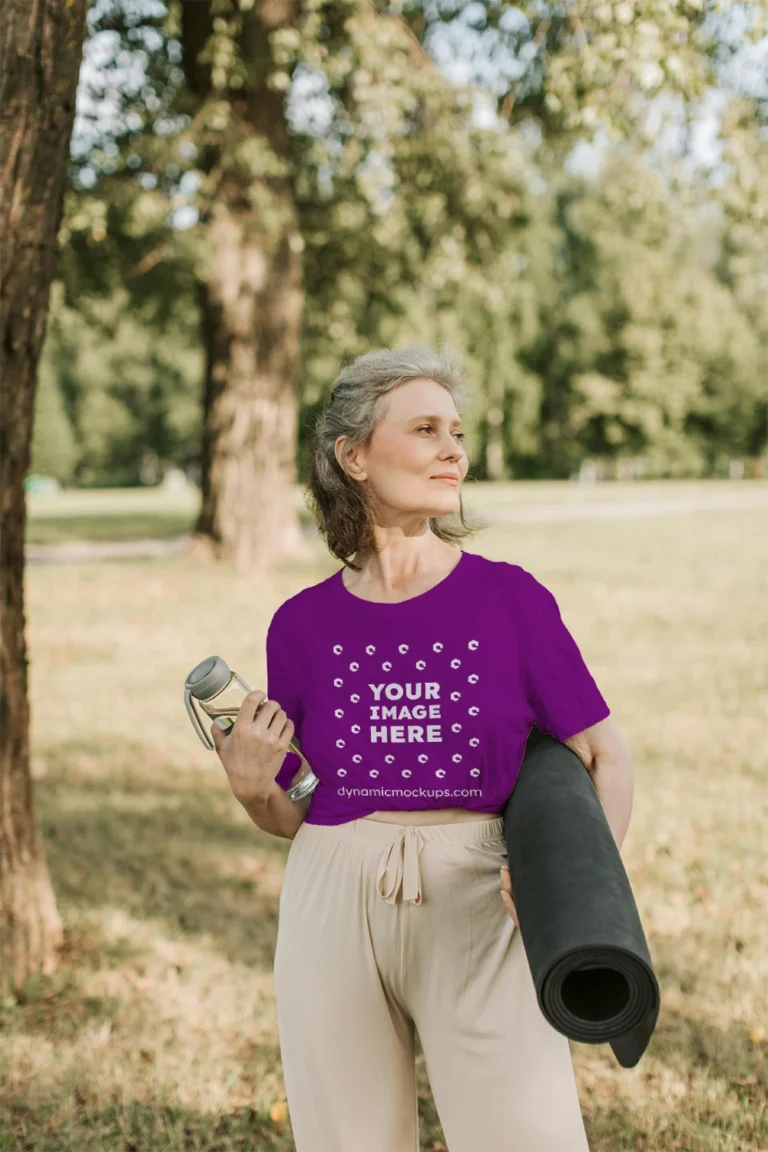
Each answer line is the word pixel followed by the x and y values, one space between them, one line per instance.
pixel 422 702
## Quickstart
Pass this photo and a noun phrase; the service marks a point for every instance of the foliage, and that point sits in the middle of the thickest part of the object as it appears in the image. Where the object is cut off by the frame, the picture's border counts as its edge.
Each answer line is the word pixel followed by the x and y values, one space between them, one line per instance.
pixel 596 319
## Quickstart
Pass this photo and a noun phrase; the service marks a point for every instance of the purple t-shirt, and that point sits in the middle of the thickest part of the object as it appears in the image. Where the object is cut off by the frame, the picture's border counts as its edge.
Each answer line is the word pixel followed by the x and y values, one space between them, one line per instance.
pixel 428 703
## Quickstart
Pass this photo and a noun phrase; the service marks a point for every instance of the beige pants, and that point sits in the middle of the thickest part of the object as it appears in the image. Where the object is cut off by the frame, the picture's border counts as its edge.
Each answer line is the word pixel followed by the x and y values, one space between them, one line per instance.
pixel 384 929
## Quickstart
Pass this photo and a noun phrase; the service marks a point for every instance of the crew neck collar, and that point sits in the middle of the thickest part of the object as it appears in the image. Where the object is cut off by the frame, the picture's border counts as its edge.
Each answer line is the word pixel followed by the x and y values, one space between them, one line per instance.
pixel 448 585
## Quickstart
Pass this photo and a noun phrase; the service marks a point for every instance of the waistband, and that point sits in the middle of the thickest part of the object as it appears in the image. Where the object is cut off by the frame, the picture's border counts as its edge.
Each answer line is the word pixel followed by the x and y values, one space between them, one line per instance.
pixel 398 867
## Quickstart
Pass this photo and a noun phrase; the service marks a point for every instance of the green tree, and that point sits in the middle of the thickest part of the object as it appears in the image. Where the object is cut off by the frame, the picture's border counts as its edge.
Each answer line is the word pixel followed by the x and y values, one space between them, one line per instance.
pixel 395 181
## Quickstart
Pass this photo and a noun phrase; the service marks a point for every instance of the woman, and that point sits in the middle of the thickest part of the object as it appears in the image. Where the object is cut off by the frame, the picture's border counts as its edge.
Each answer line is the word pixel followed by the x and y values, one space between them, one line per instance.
pixel 412 678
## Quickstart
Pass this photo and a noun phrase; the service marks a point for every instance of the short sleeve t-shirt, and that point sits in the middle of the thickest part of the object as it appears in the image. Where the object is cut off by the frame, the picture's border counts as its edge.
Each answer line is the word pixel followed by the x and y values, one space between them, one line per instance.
pixel 427 703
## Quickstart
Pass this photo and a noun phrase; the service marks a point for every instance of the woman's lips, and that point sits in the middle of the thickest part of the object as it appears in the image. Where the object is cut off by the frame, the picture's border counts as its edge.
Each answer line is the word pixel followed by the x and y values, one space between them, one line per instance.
pixel 447 480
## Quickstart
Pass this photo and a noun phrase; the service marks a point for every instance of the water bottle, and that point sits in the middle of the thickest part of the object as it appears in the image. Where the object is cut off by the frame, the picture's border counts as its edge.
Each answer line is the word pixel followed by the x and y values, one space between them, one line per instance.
pixel 215 692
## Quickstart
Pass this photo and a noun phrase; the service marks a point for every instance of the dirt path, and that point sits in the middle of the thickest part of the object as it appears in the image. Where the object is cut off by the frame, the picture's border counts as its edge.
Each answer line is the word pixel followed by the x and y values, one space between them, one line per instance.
pixel 531 513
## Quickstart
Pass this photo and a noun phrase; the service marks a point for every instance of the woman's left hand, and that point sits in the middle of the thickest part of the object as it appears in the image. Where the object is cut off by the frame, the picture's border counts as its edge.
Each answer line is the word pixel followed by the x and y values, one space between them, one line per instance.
pixel 506 892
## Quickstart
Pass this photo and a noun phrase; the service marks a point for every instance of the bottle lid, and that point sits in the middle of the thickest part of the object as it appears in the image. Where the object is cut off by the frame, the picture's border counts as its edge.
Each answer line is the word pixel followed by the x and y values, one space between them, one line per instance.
pixel 208 678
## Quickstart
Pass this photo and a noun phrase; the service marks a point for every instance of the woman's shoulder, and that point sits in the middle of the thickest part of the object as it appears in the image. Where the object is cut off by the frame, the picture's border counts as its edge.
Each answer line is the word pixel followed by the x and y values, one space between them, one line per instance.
pixel 512 576
pixel 302 604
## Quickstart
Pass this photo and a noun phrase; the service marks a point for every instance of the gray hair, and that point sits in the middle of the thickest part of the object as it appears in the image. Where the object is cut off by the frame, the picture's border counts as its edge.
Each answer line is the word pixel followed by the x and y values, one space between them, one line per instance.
pixel 342 511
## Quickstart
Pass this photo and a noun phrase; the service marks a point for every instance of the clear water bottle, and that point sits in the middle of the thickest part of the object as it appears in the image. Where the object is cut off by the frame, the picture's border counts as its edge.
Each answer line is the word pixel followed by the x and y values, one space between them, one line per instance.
pixel 213 692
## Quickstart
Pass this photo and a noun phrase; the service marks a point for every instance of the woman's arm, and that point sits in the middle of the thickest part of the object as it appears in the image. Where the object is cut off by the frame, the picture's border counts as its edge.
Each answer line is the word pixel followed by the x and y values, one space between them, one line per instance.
pixel 277 814
pixel 605 753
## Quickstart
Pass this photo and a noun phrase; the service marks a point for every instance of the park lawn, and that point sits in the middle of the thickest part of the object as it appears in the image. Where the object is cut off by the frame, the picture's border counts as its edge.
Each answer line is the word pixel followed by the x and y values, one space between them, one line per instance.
pixel 120 514
pixel 158 1033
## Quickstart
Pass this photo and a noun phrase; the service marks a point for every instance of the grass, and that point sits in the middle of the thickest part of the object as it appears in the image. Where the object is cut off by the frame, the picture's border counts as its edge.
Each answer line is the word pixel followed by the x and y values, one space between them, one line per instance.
pixel 158 1031
pixel 152 513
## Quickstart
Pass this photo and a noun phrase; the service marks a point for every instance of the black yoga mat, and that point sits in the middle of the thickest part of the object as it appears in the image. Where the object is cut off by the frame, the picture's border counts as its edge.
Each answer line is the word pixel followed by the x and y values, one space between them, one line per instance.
pixel 575 910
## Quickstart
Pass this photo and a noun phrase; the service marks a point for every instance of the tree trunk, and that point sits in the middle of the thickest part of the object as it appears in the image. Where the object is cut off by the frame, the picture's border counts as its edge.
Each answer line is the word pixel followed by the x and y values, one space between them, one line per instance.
pixel 42 42
pixel 251 306
pixel 252 300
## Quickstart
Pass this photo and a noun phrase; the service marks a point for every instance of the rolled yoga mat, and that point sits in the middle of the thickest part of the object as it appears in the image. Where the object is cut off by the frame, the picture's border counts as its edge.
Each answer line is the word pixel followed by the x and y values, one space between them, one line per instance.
pixel 575 910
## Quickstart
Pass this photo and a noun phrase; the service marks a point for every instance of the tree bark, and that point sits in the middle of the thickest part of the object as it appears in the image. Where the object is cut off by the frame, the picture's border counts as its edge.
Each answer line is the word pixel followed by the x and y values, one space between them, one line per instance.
pixel 251 306
pixel 251 299
pixel 40 54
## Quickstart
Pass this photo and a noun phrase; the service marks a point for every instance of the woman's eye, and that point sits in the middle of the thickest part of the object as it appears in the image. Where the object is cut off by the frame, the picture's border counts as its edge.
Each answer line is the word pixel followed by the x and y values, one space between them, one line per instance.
pixel 459 435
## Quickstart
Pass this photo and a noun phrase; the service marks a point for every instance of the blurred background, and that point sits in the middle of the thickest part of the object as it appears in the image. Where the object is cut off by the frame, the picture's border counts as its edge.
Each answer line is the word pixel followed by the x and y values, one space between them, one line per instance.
pixel 256 191
pixel 575 193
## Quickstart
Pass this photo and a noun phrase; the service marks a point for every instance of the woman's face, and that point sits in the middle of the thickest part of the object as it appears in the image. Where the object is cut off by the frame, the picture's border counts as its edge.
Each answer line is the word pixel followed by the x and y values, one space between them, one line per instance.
pixel 419 437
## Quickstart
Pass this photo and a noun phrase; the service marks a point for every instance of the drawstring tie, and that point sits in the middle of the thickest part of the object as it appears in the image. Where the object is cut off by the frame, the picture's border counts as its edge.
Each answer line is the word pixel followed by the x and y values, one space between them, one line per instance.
pixel 399 866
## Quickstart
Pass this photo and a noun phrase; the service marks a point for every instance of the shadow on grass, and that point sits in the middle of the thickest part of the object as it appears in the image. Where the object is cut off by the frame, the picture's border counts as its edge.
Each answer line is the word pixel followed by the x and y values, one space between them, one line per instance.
pixel 685 1041
pixel 161 1126
pixel 174 851
pixel 116 525
pixel 108 528
pixel 139 1126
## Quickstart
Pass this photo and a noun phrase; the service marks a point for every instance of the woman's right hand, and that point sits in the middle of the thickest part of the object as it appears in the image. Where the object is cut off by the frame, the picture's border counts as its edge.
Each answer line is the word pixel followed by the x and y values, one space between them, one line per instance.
pixel 255 747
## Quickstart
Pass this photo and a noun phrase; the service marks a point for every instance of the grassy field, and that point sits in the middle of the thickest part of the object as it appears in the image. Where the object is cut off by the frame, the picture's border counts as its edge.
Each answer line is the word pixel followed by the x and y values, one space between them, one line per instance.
pixel 153 514
pixel 158 1033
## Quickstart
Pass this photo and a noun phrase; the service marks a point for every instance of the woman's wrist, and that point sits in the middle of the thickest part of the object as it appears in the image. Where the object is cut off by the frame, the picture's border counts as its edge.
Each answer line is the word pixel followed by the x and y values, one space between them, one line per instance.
pixel 273 811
